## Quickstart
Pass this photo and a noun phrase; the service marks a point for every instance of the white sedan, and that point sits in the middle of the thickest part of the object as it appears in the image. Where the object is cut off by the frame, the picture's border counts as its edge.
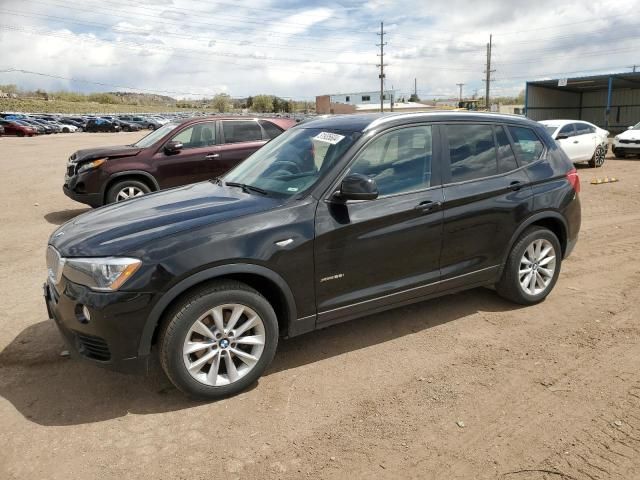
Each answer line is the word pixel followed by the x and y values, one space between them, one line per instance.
pixel 581 141
pixel 627 142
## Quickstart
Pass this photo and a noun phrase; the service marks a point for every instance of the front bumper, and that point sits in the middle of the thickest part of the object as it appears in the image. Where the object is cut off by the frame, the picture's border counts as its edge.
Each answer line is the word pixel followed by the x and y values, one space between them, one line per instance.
pixel 91 199
pixel 110 338
pixel 626 148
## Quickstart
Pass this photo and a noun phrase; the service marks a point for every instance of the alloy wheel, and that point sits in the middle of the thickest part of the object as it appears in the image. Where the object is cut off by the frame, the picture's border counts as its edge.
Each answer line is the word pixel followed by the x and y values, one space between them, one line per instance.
pixel 537 267
pixel 128 192
pixel 224 344
pixel 599 156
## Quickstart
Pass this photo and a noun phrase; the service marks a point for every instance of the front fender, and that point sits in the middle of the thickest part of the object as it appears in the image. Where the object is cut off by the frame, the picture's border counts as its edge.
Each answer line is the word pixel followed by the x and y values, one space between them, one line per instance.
pixel 205 275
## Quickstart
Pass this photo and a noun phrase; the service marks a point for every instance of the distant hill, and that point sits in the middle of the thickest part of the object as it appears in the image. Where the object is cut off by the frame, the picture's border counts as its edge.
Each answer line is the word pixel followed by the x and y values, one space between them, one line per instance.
pixel 143 98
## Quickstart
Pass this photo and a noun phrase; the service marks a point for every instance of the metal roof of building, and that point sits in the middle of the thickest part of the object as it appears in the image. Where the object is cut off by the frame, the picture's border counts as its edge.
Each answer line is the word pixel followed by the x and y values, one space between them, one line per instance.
pixel 593 82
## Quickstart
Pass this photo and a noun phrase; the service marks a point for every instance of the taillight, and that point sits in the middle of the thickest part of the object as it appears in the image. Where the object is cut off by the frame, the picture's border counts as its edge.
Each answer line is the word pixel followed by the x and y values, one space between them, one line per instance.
pixel 574 179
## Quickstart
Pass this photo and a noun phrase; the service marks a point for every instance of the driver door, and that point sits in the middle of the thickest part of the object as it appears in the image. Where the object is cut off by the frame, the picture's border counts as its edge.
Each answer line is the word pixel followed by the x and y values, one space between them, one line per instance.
pixel 375 253
pixel 197 160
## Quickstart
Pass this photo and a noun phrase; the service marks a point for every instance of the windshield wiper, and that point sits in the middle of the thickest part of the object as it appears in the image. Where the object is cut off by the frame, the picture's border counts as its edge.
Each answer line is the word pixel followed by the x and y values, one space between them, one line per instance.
pixel 247 188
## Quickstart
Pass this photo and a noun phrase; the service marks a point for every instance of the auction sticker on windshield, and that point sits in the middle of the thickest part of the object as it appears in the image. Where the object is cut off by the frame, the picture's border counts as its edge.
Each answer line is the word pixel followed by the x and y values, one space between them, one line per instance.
pixel 328 137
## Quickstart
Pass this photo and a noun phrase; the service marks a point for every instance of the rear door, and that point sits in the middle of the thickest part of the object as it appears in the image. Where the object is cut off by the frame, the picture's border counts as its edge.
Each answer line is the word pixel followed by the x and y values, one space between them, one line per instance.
pixel 196 161
pixel 486 196
pixel 587 140
pixel 239 139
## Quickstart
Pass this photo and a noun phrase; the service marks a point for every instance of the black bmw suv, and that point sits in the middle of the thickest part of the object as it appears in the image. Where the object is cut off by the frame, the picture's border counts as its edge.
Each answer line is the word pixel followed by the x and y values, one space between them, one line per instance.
pixel 337 218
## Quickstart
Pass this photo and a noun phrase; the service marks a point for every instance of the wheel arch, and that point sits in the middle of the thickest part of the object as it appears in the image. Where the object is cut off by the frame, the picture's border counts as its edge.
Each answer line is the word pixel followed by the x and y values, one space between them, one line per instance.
pixel 139 175
pixel 550 220
pixel 271 285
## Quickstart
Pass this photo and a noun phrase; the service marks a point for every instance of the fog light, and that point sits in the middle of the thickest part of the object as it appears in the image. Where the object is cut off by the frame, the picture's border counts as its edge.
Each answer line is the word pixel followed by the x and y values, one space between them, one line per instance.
pixel 85 313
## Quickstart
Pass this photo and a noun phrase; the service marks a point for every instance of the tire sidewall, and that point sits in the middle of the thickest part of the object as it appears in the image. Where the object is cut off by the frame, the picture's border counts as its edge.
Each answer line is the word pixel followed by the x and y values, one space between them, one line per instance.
pixel 517 254
pixel 171 345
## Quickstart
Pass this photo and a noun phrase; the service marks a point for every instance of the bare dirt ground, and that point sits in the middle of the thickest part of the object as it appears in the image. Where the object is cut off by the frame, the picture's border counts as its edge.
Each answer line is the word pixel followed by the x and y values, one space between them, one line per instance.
pixel 467 386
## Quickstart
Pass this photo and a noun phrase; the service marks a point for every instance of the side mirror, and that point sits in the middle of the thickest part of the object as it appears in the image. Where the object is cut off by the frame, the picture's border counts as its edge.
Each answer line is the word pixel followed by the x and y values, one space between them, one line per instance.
pixel 562 137
pixel 356 186
pixel 172 147
pixel 629 128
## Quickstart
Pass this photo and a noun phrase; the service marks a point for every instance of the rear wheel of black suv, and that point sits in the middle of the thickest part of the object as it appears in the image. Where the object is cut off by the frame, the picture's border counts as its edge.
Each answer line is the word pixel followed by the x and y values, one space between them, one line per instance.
pixel 218 340
pixel 532 267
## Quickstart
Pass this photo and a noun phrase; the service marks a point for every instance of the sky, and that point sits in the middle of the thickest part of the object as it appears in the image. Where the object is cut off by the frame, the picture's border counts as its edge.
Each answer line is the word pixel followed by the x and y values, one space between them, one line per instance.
pixel 302 48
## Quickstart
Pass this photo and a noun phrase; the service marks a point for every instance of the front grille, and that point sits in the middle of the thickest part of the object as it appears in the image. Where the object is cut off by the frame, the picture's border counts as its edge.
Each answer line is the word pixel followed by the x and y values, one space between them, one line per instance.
pixel 93 347
pixel 71 170
pixel 636 142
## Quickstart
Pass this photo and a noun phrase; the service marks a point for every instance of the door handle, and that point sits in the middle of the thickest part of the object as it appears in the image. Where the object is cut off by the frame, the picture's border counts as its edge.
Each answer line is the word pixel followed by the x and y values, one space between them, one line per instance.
pixel 427 206
pixel 515 185
pixel 212 155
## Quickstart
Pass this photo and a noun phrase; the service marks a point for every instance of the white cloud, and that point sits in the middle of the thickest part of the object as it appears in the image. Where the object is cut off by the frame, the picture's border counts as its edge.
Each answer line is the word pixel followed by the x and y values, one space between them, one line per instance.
pixel 203 48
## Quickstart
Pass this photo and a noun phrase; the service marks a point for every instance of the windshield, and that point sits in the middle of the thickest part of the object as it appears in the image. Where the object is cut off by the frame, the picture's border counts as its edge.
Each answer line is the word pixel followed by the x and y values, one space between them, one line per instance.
pixel 636 127
pixel 551 129
pixel 294 161
pixel 154 136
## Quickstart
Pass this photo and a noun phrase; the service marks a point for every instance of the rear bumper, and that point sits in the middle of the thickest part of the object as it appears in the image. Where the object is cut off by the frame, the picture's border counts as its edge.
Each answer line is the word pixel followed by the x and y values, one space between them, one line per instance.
pixel 92 199
pixel 110 338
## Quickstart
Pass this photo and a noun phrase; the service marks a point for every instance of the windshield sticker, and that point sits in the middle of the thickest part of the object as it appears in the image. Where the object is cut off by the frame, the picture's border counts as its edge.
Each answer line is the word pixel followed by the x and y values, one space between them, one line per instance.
pixel 328 137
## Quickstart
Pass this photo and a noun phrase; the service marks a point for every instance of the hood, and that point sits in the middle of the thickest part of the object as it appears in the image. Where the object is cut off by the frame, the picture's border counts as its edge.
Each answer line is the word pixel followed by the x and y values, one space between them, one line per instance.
pixel 630 135
pixel 127 226
pixel 101 152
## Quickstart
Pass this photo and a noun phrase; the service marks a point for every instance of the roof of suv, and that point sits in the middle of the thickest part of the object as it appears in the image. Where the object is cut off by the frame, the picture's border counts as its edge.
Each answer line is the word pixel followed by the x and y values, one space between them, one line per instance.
pixel 282 122
pixel 365 121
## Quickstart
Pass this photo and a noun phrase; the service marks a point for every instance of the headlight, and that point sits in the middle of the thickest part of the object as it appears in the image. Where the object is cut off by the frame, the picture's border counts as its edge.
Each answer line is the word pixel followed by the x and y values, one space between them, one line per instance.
pixel 101 274
pixel 91 165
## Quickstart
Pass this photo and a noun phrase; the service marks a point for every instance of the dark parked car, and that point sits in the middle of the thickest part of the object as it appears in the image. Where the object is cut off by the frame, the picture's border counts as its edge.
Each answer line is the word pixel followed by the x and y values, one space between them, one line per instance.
pixel 101 125
pixel 148 123
pixel 14 128
pixel 127 126
pixel 335 219
pixel 175 154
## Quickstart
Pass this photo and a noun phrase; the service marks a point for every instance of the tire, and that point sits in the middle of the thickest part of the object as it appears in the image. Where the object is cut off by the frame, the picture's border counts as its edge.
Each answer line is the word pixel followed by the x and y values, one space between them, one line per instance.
pixel 597 160
pixel 134 188
pixel 510 287
pixel 151 127
pixel 65 130
pixel 178 329
pixel 20 134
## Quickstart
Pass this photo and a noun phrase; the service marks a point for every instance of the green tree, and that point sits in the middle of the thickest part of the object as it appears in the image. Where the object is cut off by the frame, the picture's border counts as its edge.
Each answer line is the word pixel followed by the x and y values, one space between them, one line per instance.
pixel 262 103
pixel 221 102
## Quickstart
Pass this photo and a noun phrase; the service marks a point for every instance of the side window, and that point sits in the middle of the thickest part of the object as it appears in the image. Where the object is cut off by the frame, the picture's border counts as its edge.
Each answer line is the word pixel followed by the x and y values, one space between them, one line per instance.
pixel 270 129
pixel 241 131
pixel 197 136
pixel 584 129
pixel 472 152
pixel 528 146
pixel 567 131
pixel 506 157
pixel 399 161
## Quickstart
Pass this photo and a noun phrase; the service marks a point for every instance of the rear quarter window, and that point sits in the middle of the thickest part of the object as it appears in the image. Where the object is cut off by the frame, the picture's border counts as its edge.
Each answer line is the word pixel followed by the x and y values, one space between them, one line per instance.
pixel 528 146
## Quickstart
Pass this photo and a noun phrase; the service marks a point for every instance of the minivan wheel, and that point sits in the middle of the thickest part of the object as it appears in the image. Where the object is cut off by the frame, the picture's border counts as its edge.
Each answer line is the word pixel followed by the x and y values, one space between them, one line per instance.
pixel 532 267
pixel 598 157
pixel 218 340
pixel 126 190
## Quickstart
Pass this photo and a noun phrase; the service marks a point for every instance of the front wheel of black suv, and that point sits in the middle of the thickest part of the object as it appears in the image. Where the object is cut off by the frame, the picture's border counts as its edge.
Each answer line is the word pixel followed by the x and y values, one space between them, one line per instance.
pixel 532 267
pixel 218 340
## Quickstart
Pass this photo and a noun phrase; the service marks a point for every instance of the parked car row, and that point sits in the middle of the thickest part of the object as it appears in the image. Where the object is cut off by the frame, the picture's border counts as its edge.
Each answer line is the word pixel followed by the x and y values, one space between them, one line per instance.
pixel 28 125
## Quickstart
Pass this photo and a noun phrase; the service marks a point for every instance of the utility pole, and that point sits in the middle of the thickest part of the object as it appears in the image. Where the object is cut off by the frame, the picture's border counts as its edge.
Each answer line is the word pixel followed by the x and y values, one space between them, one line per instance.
pixel 488 71
pixel 460 85
pixel 415 87
pixel 633 67
pixel 381 65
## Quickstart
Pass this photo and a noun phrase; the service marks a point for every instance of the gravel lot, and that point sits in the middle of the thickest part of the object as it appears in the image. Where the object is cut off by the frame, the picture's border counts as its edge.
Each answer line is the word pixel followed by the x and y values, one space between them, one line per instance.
pixel 466 386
